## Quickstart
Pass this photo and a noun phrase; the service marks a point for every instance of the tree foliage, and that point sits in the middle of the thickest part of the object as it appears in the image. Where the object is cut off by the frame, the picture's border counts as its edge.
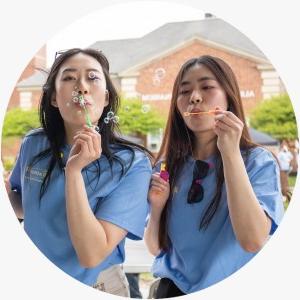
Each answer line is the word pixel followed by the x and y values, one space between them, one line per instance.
pixel 18 122
pixel 135 118
pixel 275 117
pixel 138 118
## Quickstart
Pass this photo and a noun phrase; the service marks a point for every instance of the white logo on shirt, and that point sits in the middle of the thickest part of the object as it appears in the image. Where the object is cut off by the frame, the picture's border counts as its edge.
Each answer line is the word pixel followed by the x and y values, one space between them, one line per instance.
pixel 35 174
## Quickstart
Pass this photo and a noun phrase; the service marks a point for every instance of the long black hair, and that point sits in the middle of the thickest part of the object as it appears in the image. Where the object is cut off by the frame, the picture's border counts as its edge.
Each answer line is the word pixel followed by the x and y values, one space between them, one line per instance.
pixel 179 140
pixel 53 125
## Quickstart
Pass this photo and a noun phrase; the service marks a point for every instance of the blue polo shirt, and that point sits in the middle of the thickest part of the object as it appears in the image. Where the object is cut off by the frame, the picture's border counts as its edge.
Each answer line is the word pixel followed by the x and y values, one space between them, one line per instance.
pixel 200 258
pixel 121 200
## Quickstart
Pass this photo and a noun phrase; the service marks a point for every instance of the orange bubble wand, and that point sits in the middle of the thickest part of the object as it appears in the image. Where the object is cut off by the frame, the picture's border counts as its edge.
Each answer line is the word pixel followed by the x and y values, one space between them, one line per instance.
pixel 209 112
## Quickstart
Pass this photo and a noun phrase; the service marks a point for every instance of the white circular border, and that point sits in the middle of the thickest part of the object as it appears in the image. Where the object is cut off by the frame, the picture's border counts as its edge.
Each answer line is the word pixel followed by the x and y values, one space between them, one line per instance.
pixel 25 26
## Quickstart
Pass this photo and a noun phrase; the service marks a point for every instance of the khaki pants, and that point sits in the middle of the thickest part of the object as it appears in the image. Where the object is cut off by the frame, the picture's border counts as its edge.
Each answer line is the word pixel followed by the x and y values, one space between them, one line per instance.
pixel 113 281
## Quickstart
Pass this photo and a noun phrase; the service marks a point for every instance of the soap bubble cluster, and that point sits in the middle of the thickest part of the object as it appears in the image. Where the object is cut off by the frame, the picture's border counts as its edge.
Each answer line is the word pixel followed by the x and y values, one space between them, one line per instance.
pixel 111 117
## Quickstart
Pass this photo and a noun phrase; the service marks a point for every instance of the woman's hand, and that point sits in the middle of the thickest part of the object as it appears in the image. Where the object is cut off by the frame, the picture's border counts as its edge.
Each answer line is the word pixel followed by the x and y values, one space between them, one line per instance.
pixel 86 149
pixel 159 192
pixel 228 128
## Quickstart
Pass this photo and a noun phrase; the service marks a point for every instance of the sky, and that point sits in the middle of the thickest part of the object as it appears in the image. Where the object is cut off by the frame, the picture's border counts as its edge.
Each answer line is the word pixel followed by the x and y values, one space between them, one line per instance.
pixel 120 21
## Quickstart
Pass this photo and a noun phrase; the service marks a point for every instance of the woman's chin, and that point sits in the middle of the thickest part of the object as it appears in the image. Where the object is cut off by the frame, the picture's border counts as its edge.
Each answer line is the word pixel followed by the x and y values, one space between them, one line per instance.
pixel 79 123
pixel 200 128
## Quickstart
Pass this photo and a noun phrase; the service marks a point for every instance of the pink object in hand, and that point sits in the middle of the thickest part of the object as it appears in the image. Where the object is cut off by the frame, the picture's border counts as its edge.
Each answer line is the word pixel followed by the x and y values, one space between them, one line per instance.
pixel 164 175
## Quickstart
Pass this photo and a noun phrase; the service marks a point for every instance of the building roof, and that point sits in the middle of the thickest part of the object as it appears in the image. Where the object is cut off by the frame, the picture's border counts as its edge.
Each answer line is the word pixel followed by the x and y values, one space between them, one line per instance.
pixel 35 80
pixel 125 54
pixel 128 53
pixel 262 138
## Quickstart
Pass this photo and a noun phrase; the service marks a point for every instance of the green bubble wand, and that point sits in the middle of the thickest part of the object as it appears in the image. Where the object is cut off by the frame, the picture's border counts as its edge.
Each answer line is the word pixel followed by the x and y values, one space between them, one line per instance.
pixel 86 113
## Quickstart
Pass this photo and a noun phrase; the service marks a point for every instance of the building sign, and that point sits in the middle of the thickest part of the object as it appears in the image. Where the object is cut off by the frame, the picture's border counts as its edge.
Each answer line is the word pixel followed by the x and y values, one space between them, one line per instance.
pixel 156 97
pixel 247 94
pixel 167 96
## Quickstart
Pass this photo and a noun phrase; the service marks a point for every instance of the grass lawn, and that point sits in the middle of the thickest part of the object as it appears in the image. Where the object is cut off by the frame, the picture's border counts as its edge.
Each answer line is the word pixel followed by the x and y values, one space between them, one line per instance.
pixel 292 180
pixel 285 205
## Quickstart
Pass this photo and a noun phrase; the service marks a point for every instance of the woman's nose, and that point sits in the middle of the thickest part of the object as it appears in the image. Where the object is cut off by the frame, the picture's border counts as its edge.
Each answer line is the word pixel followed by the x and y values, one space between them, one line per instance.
pixel 82 87
pixel 195 98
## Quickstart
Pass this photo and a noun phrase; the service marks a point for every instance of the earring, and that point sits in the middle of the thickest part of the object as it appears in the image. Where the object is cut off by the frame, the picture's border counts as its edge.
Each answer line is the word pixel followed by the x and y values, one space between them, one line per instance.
pixel 54 103
pixel 106 95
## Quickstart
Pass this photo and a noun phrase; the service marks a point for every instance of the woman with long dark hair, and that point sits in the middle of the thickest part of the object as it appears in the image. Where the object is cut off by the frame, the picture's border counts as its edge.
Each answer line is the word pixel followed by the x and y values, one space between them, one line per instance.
pixel 79 190
pixel 222 199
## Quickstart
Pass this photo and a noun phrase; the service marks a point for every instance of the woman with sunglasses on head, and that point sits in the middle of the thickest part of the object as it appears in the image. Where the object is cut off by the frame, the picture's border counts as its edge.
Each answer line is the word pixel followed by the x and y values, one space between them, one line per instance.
pixel 81 192
pixel 222 199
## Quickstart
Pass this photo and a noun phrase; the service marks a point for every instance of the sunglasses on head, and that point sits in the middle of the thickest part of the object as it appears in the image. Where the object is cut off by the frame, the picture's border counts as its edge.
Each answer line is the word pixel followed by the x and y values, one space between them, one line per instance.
pixel 58 53
pixel 196 191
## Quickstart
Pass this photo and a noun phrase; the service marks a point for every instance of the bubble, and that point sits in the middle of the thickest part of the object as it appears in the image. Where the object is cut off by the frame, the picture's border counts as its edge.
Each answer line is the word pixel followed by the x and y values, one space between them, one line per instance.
pixel 160 73
pixel 92 75
pixel 81 101
pixel 116 119
pixel 110 114
pixel 145 108
pixel 74 94
pixel 75 99
pixel 106 120
pixel 97 128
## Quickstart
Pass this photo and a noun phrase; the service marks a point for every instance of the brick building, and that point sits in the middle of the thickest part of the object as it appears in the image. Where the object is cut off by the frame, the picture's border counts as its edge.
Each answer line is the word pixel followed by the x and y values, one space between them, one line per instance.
pixel 28 96
pixel 146 67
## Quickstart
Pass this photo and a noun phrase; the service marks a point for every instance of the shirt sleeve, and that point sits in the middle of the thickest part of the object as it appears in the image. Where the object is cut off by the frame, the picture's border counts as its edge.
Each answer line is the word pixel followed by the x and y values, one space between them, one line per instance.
pixel 15 175
pixel 126 206
pixel 264 175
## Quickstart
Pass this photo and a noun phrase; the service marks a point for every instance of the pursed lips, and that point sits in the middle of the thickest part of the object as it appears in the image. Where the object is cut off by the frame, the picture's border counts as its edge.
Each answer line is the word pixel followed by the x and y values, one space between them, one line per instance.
pixel 86 102
pixel 196 110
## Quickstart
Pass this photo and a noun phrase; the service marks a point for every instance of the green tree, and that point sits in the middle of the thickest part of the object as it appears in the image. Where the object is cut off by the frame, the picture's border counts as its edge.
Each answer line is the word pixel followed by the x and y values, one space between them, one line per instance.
pixel 275 117
pixel 135 117
pixel 18 122
pixel 138 118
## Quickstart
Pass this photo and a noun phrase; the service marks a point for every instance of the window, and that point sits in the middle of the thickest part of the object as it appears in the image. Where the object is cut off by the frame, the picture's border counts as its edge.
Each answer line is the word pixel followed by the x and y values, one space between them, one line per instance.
pixel 25 100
